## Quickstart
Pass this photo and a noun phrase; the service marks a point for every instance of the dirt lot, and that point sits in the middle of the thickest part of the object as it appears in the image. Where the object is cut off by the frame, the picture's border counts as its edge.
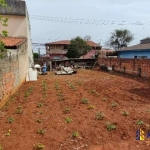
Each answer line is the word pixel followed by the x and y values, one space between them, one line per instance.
pixel 90 110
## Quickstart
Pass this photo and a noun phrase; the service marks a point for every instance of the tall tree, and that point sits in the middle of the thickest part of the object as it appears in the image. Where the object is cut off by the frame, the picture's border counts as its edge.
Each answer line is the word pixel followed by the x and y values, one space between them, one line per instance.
pixel 77 48
pixel 3 21
pixel 120 39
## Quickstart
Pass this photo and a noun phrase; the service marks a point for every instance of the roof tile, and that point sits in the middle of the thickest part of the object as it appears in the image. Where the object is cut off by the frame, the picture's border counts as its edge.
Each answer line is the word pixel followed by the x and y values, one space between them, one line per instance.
pixel 13 41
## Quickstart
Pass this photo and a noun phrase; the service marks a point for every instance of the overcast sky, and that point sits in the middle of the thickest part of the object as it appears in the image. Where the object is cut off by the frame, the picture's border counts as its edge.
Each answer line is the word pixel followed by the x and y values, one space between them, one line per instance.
pixel 53 20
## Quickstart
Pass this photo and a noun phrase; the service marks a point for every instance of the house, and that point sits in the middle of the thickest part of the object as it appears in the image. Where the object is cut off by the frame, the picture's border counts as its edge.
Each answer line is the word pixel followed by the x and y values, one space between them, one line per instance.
pixel 18 23
pixel 141 50
pixel 19 57
pixel 58 49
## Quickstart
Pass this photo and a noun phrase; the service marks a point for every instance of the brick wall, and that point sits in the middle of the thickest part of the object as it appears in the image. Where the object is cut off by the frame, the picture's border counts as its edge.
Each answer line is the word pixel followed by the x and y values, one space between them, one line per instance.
pixel 12 72
pixel 140 67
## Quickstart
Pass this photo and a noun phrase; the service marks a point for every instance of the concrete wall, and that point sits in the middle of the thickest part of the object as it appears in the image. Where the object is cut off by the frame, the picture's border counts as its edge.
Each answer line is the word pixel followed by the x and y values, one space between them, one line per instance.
pixel 16 26
pixel 15 7
pixel 12 71
pixel 131 54
pixel 140 67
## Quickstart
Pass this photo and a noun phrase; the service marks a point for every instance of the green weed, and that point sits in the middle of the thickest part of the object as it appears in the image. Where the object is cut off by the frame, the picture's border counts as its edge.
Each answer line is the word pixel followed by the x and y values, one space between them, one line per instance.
pixel 19 110
pixel 139 122
pixel 99 116
pixel 39 146
pixel 10 120
pixel 1 148
pixel 68 120
pixel 114 104
pixel 41 131
pixel 110 126
pixel 84 101
pixel 66 110
pixel 39 121
pixel 40 105
pixel 75 134
pixel 125 113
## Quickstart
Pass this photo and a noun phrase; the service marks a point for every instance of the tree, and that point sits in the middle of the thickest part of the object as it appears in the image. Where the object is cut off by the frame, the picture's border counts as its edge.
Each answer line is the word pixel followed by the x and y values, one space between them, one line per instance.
pixel 77 48
pixel 3 21
pixel 120 39
pixel 35 55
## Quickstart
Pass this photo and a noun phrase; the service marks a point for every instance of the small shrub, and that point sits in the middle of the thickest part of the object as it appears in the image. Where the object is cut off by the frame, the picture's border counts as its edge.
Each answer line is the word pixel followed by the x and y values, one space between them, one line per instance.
pixel 125 113
pixel 1 148
pixel 84 101
pixel 10 120
pixel 114 104
pixel 99 116
pixel 68 120
pixel 39 105
pixel 66 110
pixel 139 122
pixel 39 121
pixel 110 126
pixel 19 110
pixel 41 131
pixel 39 146
pixel 75 134
pixel 93 91
pixel 104 99
pixel 90 107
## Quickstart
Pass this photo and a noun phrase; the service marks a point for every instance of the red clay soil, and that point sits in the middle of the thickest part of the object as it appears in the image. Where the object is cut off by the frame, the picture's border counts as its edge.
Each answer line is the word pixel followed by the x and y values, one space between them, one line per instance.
pixel 47 104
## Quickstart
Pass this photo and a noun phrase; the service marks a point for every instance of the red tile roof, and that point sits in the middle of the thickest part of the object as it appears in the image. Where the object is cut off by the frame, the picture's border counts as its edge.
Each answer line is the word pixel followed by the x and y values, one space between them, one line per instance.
pixel 13 41
pixel 67 42
pixel 90 54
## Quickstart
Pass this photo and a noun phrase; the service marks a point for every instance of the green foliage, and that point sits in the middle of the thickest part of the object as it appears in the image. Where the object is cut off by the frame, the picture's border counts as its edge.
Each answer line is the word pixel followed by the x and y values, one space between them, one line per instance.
pixel 3 21
pixel 1 148
pixel 119 38
pixel 68 120
pixel 140 122
pixel 84 101
pixel 114 104
pixel 39 146
pixel 19 110
pixel 10 120
pixel 35 55
pixel 39 121
pixel 40 105
pixel 77 48
pixel 66 110
pixel 75 134
pixel 110 126
pixel 125 113
pixel 41 131
pixel 99 116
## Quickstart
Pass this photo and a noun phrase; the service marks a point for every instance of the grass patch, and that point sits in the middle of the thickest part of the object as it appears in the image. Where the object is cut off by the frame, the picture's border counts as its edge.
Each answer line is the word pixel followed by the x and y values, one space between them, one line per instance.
pixel 10 120
pixel 84 101
pixel 110 126
pixel 39 146
pixel 99 116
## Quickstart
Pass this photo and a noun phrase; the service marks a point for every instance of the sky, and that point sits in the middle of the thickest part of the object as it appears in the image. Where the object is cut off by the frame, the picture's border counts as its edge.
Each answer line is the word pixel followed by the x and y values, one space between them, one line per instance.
pixel 53 20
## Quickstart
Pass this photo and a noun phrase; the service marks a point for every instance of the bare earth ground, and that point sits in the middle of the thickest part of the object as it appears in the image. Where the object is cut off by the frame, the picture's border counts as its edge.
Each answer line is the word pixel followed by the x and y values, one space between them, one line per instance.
pixel 47 103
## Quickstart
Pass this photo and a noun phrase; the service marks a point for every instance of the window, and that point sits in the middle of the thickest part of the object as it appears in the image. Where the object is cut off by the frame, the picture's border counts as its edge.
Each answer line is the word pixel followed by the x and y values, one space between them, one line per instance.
pixel 135 56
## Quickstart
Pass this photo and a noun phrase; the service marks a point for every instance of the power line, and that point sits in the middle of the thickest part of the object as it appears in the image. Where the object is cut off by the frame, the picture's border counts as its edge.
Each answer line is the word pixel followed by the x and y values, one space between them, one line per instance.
pixel 86 21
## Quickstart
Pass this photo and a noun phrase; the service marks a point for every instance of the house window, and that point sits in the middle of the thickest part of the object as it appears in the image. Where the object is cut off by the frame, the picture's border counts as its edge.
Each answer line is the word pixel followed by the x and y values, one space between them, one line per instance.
pixel 48 47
